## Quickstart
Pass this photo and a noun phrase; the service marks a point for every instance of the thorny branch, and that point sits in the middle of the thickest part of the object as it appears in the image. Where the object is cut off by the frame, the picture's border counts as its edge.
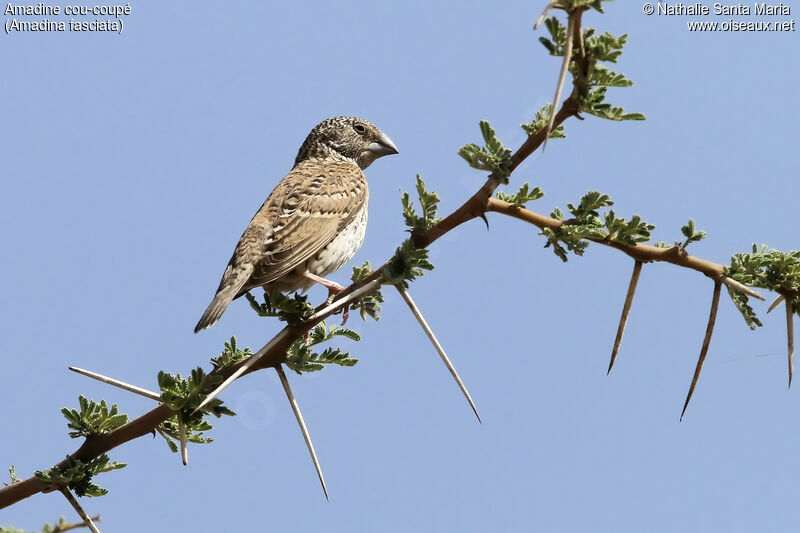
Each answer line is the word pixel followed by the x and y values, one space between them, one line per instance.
pixel 474 207
pixel 274 352
pixel 640 252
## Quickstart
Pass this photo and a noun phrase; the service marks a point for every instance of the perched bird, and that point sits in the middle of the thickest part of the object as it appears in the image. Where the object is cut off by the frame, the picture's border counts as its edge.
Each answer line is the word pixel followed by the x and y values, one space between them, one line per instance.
pixel 313 222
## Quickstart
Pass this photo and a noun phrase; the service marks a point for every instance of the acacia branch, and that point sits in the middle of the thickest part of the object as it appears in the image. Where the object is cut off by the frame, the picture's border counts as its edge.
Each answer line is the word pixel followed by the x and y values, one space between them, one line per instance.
pixel 274 352
pixel 96 445
pixel 643 253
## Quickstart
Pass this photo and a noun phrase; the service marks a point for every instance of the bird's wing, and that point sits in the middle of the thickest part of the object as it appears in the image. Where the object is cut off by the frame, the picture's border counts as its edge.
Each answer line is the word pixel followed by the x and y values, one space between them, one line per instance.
pixel 307 209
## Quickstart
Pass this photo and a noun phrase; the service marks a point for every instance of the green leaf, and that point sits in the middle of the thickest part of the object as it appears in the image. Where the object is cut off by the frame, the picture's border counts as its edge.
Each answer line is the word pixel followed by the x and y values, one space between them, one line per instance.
pixel 77 475
pixel 558 37
pixel 540 123
pixel 301 358
pixel 93 418
pixel 741 301
pixel 428 200
pixel 369 304
pixel 186 395
pixel 691 233
pixel 293 310
pixel 586 210
pixel 493 157
pixel 231 354
pixel 523 196
pixel 407 264
pixel 630 232
pixel 766 269
pixel 594 104
pixel 603 77
pixel 13 474
pixel 588 225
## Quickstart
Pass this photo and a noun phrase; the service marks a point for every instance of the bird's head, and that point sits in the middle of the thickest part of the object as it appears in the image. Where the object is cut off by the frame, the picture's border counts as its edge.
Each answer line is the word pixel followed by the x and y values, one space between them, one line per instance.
pixel 349 137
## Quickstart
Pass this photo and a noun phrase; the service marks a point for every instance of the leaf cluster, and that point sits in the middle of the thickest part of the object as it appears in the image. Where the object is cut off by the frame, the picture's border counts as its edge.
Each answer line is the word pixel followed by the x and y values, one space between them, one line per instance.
pixel 77 475
pixel 301 358
pixel 428 201
pixel 407 264
pixel 231 355
pixel 493 156
pixel 12 473
pixel 524 195
pixel 592 79
pixel 628 232
pixel 293 310
pixel 370 303
pixel 691 233
pixel 587 224
pixel 766 269
pixel 540 122
pixel 195 426
pixel 186 394
pixel 93 418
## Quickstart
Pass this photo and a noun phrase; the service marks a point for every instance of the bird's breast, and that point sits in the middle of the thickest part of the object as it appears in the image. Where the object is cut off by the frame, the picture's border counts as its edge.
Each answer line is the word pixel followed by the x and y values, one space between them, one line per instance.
pixel 342 248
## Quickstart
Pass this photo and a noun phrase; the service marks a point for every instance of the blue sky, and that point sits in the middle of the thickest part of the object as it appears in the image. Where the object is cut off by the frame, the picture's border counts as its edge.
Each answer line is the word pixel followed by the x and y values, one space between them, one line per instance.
pixel 132 162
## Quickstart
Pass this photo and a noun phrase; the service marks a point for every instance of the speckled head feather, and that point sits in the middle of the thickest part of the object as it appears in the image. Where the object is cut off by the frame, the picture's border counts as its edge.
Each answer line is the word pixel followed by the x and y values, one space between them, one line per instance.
pixel 313 222
pixel 351 138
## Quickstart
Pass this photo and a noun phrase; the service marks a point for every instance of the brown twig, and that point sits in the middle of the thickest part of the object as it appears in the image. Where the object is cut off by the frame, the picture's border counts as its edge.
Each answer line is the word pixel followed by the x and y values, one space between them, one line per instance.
pixel 712 319
pixel 62 524
pixel 637 269
pixel 639 252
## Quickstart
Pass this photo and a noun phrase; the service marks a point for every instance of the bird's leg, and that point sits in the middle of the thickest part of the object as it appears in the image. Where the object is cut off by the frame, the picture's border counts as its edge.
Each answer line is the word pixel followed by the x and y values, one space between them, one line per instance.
pixel 333 289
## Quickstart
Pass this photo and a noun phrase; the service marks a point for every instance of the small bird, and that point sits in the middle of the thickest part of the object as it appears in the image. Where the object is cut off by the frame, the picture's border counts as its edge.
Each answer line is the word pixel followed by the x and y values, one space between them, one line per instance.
pixel 313 222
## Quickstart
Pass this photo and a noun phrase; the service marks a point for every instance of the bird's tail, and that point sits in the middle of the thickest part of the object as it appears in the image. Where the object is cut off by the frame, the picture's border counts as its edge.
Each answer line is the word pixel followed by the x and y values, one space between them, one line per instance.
pixel 215 309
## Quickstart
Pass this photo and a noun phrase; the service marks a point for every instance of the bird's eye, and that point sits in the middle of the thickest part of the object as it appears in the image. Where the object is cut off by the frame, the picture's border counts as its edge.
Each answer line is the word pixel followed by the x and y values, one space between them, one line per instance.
pixel 360 128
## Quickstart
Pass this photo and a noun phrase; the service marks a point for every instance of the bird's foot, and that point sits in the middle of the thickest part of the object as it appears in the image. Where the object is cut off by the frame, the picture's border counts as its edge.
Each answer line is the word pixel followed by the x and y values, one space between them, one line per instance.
pixel 345 314
pixel 332 292
pixel 333 289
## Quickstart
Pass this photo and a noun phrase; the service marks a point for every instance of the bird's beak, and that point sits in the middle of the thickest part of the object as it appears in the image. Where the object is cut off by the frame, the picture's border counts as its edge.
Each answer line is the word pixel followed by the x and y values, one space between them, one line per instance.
pixel 383 146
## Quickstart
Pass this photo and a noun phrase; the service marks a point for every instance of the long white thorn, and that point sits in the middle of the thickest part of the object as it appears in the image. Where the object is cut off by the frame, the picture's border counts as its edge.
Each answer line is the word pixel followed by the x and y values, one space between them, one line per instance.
pixel 775 304
pixel 543 16
pixel 562 77
pixel 712 319
pixel 242 369
pixel 303 428
pixel 637 270
pixel 182 438
pixel 117 383
pixel 741 287
pixel 282 335
pixel 429 332
pixel 790 337
pixel 85 517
